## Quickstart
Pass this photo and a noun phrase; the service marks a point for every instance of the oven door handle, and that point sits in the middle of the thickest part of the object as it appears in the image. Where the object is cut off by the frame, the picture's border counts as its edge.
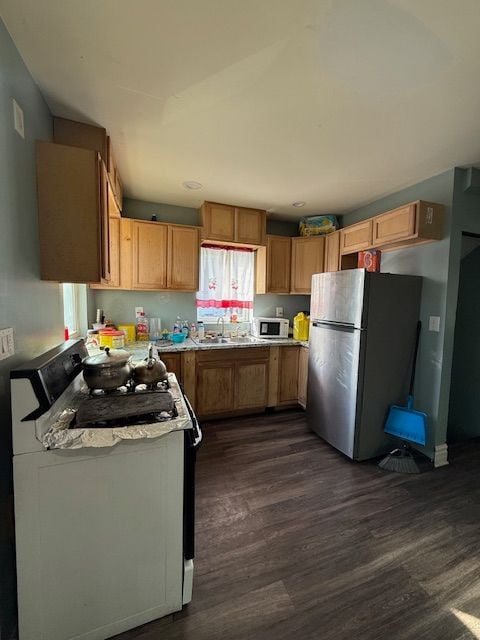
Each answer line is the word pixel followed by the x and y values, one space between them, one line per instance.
pixel 196 427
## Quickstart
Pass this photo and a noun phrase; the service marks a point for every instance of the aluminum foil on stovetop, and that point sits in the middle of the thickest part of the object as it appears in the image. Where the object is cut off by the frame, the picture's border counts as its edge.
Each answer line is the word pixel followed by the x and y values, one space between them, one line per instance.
pixel 62 435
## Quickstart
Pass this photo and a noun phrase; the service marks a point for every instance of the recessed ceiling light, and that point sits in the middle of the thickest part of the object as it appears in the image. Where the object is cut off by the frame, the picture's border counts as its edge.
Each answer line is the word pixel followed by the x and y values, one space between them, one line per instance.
pixel 299 203
pixel 192 185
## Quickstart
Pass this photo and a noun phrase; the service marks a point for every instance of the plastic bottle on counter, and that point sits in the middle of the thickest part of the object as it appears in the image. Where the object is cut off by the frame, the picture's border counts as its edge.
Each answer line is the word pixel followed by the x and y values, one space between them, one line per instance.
pixel 193 330
pixel 185 329
pixel 301 325
pixel 200 330
pixel 177 327
pixel 143 334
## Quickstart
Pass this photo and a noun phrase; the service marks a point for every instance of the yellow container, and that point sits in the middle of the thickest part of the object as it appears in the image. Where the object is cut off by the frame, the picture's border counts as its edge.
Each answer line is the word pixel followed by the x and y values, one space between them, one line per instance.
pixel 130 332
pixel 111 338
pixel 301 325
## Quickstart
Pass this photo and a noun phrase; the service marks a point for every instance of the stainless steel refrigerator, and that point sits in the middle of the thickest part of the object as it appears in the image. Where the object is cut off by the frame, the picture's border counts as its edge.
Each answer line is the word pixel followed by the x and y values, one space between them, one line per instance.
pixel 362 336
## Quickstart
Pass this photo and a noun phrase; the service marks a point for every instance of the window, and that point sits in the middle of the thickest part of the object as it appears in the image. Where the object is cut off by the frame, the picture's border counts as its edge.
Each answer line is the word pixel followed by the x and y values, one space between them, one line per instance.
pixel 226 284
pixel 71 308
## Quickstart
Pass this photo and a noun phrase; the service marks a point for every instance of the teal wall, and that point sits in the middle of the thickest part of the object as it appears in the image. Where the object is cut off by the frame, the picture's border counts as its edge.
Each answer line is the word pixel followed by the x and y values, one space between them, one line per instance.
pixel 165 212
pixel 186 215
pixel 431 261
pixel 120 305
pixel 33 308
pixel 464 415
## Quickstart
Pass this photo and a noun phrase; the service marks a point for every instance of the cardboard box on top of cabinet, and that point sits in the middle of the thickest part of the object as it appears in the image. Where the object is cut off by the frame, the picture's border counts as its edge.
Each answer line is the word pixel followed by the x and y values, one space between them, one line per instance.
pixel 369 260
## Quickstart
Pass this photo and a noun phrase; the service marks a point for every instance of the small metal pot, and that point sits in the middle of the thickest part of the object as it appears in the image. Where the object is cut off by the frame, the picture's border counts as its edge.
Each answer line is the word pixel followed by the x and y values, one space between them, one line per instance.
pixel 149 371
pixel 107 370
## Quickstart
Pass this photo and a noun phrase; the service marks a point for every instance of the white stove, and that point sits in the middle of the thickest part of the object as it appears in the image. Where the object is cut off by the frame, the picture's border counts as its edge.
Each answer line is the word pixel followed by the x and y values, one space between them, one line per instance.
pixel 104 512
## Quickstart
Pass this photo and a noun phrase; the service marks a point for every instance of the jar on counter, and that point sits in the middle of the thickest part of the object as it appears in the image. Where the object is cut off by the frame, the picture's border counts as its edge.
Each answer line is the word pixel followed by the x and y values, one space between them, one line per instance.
pixel 111 338
pixel 129 330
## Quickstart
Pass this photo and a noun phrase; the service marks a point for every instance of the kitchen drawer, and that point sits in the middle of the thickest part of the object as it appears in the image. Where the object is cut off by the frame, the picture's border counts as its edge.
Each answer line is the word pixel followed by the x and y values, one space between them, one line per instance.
pixel 232 354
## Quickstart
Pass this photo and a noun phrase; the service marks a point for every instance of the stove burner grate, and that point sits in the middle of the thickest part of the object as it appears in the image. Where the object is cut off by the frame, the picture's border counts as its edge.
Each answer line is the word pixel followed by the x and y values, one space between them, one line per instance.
pixel 128 408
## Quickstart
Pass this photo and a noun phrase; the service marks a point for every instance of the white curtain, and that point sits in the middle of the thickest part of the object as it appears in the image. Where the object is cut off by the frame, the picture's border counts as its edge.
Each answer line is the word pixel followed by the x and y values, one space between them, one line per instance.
pixel 226 279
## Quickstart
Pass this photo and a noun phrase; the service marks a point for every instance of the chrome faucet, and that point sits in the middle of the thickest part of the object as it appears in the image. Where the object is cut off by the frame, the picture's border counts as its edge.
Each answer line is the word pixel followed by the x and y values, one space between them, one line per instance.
pixel 223 325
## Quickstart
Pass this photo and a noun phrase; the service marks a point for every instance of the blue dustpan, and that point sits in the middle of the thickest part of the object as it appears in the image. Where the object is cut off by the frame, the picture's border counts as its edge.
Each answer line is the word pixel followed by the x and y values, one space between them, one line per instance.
pixel 405 422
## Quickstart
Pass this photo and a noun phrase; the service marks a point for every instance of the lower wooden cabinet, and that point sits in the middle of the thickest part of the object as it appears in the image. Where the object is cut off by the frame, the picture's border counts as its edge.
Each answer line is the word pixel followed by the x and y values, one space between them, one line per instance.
pixel 215 388
pixel 302 376
pixel 221 382
pixel 251 384
pixel 288 375
pixel 173 362
pixel 231 380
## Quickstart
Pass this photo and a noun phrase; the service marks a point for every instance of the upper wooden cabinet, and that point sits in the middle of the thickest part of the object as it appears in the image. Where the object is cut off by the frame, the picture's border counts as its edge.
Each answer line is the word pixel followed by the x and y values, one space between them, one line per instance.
pixel 227 223
pixel 273 265
pixel 157 256
pixel 410 224
pixel 149 255
pixel 356 237
pixel 250 226
pixel 183 257
pixel 87 136
pixel 307 259
pixel 332 251
pixel 218 221
pixel 73 215
pixel 114 175
pixel 114 231
pixel 153 256
pixel 79 134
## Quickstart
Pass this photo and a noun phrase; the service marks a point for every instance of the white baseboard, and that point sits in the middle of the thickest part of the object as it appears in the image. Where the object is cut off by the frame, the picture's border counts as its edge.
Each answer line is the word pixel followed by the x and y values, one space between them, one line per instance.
pixel 440 458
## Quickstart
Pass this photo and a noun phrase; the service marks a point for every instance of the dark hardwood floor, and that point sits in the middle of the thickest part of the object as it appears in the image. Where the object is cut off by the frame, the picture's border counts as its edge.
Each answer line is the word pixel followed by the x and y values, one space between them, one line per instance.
pixel 294 541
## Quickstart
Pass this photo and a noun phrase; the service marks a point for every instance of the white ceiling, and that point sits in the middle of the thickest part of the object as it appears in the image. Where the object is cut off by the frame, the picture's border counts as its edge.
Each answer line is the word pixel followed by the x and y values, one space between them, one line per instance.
pixel 265 102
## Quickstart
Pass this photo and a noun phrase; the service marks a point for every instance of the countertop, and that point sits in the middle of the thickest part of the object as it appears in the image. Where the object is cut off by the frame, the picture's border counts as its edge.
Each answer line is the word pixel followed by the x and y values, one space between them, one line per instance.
pixel 139 349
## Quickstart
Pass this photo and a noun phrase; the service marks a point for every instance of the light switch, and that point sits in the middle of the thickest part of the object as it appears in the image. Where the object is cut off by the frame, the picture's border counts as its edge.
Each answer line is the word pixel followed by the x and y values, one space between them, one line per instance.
pixel 18 120
pixel 434 323
pixel 7 347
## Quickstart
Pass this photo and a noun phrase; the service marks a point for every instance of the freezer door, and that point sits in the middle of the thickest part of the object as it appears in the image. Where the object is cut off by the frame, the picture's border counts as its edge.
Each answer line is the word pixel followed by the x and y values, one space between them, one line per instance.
pixel 333 384
pixel 338 297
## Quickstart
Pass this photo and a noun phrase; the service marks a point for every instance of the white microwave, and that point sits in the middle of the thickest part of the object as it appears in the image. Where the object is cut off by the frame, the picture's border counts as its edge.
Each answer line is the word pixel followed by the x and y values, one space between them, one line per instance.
pixel 270 327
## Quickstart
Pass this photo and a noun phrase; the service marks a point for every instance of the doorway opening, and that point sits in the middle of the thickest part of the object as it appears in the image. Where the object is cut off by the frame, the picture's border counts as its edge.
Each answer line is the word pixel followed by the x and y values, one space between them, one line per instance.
pixel 464 414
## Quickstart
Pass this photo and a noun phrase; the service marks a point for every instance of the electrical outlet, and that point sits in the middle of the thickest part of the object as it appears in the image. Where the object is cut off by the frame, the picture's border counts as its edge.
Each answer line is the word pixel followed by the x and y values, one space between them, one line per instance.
pixel 7 347
pixel 279 312
pixel 18 120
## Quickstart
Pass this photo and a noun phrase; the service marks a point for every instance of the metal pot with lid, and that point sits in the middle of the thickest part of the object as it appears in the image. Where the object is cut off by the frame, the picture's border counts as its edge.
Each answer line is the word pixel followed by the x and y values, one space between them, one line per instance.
pixel 150 371
pixel 107 370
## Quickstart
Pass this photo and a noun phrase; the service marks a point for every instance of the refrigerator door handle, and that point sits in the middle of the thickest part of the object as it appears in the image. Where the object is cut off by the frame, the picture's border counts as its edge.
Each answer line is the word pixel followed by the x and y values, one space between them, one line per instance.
pixel 347 326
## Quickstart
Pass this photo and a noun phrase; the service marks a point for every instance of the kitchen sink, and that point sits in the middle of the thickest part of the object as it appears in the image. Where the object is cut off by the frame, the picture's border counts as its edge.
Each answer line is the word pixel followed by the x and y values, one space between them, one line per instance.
pixel 223 340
